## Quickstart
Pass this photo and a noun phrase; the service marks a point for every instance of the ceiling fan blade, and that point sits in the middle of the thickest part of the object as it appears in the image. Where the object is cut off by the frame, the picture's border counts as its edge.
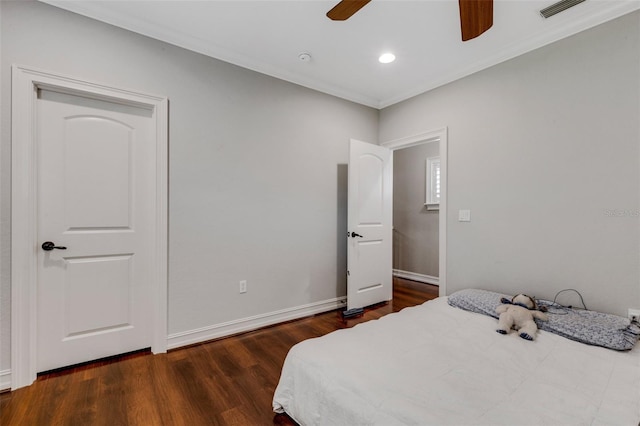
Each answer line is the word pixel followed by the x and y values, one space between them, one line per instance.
pixel 476 17
pixel 345 9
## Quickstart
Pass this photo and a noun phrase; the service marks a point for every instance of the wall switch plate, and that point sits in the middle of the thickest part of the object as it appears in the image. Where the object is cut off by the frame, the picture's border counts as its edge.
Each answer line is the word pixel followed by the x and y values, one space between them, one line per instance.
pixel 633 314
pixel 464 215
pixel 243 286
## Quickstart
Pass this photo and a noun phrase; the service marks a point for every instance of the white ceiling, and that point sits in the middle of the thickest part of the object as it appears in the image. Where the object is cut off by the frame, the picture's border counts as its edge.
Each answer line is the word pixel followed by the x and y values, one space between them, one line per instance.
pixel 267 36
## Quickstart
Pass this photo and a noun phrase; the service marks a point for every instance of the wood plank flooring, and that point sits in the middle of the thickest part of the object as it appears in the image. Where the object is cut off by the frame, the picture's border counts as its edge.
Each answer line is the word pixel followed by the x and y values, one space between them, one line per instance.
pixel 224 382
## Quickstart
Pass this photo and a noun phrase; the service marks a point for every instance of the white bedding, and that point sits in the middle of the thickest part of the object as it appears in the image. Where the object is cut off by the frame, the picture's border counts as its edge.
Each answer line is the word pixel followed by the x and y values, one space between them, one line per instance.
pixel 434 364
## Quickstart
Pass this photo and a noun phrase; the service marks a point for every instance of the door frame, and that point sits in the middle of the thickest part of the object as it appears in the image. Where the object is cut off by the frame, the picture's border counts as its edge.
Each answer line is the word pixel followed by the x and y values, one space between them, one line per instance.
pixel 24 214
pixel 437 135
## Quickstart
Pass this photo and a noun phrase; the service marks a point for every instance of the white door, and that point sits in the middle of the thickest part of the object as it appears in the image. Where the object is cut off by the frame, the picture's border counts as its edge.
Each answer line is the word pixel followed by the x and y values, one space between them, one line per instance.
pixel 369 222
pixel 96 194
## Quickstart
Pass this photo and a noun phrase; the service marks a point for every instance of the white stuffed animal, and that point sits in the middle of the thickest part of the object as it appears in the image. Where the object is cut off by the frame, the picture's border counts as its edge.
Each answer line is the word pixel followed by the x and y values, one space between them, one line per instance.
pixel 518 314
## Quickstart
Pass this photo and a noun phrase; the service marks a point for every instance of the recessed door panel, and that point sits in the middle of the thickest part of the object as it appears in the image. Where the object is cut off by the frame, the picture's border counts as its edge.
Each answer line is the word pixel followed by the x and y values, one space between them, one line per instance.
pixel 97 172
pixel 98 293
pixel 372 278
pixel 371 194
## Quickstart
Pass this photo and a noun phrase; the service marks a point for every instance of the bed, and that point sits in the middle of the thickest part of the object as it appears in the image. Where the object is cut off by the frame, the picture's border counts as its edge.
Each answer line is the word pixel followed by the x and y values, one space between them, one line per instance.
pixel 436 364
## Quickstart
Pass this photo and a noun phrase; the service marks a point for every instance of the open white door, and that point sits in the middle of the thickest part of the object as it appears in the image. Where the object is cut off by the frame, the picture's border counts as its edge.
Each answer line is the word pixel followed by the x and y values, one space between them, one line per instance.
pixel 369 259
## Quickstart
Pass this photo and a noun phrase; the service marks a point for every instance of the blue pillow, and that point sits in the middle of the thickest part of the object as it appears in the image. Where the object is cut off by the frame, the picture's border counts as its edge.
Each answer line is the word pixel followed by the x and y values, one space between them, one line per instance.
pixel 590 327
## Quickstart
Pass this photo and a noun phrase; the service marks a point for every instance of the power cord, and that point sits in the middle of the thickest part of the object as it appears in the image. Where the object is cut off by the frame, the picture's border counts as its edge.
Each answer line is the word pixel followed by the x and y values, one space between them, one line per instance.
pixel 574 290
pixel 559 309
pixel 632 331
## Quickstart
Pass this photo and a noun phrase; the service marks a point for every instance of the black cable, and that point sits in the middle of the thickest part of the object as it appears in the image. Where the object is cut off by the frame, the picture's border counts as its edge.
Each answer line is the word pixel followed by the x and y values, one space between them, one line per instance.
pixel 554 308
pixel 570 289
pixel 558 309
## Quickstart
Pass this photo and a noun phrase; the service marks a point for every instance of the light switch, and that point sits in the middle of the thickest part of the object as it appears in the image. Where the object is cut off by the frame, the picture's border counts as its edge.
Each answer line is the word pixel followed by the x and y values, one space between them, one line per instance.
pixel 464 215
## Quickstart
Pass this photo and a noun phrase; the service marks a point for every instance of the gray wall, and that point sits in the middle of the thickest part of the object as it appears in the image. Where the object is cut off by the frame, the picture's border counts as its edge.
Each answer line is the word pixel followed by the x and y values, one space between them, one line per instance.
pixel 415 229
pixel 544 151
pixel 257 183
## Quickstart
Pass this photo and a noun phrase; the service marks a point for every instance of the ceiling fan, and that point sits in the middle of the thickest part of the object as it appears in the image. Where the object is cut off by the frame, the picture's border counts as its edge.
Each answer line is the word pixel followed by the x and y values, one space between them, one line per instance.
pixel 476 16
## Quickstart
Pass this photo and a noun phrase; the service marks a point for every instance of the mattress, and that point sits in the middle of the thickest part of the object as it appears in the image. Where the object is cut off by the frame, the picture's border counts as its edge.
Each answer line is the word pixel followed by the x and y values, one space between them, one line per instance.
pixel 435 364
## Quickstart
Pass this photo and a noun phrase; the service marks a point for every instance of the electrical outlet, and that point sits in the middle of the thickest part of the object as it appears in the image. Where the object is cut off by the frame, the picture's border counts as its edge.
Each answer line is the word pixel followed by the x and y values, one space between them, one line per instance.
pixel 243 286
pixel 633 314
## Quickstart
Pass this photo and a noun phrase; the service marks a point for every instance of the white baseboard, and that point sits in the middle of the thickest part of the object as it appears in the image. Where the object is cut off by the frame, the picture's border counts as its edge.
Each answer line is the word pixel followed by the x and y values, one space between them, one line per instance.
pixel 217 331
pixel 413 276
pixel 5 379
pixel 241 325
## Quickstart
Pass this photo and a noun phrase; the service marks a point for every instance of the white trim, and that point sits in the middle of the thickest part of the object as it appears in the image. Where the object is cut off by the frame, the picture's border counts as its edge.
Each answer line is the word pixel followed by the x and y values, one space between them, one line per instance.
pixel 25 83
pixel 242 325
pixel 414 276
pixel 161 303
pixel 408 141
pixel 541 38
pixel 102 12
pixel 95 10
pixel 437 135
pixel 5 379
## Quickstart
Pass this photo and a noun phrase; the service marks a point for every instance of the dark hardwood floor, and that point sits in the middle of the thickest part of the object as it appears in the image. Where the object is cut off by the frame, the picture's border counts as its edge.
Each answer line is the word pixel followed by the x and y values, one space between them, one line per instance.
pixel 224 382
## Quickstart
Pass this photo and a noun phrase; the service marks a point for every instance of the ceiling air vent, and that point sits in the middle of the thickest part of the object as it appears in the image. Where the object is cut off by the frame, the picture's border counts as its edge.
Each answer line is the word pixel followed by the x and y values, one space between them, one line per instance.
pixel 558 7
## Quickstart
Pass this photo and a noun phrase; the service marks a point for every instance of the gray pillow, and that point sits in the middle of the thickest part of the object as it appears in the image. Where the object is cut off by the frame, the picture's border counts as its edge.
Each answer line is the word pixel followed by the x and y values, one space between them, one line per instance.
pixel 590 327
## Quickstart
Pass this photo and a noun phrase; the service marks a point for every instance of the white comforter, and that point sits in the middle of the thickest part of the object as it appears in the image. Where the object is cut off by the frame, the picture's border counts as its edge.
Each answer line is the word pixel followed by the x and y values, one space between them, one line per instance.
pixel 434 364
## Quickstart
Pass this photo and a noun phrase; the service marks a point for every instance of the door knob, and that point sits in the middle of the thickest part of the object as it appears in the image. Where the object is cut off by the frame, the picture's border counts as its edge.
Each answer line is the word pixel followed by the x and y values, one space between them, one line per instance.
pixel 48 246
pixel 353 235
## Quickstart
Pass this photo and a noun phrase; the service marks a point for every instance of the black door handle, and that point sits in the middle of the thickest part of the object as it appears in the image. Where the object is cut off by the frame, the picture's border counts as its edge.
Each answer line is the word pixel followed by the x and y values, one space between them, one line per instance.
pixel 48 246
pixel 353 235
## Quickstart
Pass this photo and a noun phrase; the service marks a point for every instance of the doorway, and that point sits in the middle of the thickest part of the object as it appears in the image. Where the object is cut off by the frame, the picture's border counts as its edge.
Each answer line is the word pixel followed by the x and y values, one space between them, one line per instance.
pixel 422 219
pixel 415 221
pixel 74 261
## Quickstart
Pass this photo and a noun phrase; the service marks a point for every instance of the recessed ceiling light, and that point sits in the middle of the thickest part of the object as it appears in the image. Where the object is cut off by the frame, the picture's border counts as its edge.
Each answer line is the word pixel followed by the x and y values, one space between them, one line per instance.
pixel 387 58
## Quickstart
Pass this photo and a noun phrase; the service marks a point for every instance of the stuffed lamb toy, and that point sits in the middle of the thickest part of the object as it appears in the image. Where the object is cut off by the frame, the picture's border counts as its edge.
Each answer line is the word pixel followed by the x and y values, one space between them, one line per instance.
pixel 518 313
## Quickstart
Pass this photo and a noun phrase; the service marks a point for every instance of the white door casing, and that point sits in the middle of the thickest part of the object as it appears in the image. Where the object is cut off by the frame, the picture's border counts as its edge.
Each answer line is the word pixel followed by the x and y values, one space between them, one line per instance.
pixel 99 236
pixel 369 225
